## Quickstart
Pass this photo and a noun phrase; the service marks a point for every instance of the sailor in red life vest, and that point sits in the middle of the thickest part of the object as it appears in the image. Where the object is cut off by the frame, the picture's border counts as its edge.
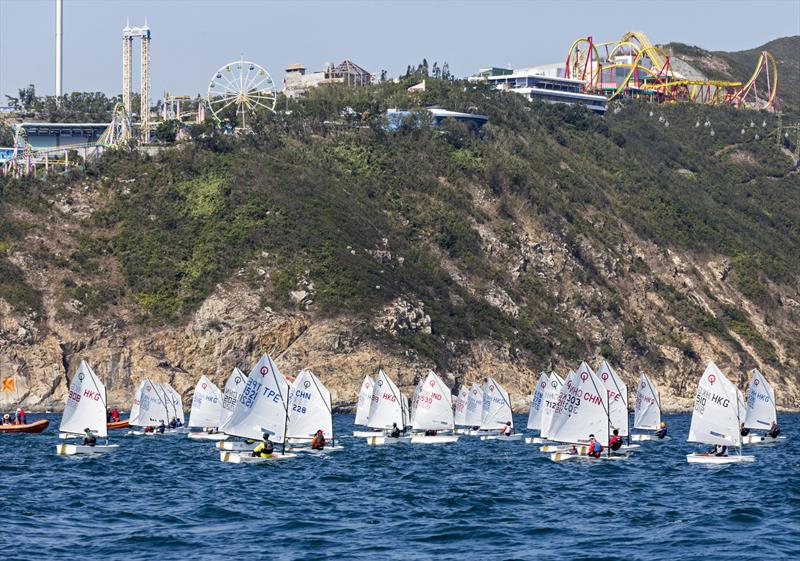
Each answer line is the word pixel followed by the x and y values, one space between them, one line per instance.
pixel 318 442
pixel 616 441
pixel 115 415
pixel 595 448
pixel 508 430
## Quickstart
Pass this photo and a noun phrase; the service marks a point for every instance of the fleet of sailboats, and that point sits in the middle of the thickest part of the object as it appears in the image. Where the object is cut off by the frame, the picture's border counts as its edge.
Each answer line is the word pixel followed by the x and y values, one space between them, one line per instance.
pixel 571 415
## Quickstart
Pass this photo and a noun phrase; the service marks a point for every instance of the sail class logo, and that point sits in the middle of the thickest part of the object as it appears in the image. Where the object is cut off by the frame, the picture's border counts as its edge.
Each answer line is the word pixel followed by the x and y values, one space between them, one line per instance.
pixel 433 383
pixel 604 376
pixel 306 384
pixel 712 379
pixel 264 370
pixel 543 385
pixel 204 386
pixel 756 382
pixel 643 384
pixel 238 379
pixel 584 376
pixel 80 376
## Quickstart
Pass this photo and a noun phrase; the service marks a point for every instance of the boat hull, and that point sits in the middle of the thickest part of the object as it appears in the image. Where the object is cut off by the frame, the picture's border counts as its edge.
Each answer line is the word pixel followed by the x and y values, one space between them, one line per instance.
pixel 566 456
pixel 438 439
pixel 535 440
pixel 367 433
pixel 34 427
pixel 80 450
pixel 646 437
pixel 237 446
pixel 511 438
pixel 206 436
pixel 240 458
pixel 718 460
pixel 122 424
pixel 760 439
pixel 381 440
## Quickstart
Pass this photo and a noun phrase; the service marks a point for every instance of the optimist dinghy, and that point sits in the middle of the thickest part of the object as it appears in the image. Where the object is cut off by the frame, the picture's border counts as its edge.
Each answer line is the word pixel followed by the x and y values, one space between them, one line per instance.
pixel 206 410
pixel 433 412
pixel 716 418
pixel 761 412
pixel 85 409
pixel 647 411
pixel 363 407
pixel 544 419
pixel 387 407
pixel 263 407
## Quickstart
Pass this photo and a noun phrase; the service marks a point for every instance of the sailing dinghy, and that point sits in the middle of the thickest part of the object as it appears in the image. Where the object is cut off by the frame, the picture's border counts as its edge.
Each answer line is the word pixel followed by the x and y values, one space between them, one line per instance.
pixel 363 407
pixel 233 387
pixel 537 406
pixel 761 412
pixel 716 418
pixel 460 414
pixel 263 406
pixel 388 406
pixel 647 410
pixel 206 411
pixel 310 411
pixel 85 409
pixel 149 409
pixel 434 412
pixel 582 409
pixel 496 412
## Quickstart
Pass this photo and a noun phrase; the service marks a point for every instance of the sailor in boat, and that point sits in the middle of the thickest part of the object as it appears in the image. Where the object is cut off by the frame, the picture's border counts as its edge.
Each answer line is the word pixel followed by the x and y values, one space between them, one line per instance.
pixel 265 449
pixel 109 418
pixel 616 441
pixel 161 427
pixel 662 430
pixel 774 430
pixel 318 442
pixel 148 429
pixel 20 417
pixel 430 433
pixel 212 430
pixel 744 430
pixel 718 450
pixel 595 448
pixel 115 415
pixel 6 420
pixel 508 430
pixel 89 439
pixel 173 423
pixel 395 431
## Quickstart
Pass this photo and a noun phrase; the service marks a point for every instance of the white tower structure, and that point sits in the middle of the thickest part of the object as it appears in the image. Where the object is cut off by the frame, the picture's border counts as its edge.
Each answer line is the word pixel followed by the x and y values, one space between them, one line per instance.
pixel 128 35
pixel 59 41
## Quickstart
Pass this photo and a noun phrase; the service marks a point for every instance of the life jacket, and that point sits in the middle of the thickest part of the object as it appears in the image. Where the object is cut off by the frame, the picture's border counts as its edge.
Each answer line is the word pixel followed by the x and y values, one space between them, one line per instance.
pixel 596 449
pixel 318 441
pixel 616 442
pixel 262 450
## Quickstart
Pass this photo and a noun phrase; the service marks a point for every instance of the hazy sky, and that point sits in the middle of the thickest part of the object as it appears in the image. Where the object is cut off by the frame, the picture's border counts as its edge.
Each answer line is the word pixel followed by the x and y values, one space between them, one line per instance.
pixel 191 39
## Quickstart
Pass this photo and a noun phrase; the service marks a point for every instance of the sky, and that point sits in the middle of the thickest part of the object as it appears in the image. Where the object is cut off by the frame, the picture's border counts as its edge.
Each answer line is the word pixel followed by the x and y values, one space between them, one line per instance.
pixel 192 39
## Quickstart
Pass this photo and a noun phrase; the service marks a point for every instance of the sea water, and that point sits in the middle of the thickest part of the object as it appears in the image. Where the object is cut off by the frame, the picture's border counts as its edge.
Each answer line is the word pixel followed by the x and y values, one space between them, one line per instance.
pixel 167 497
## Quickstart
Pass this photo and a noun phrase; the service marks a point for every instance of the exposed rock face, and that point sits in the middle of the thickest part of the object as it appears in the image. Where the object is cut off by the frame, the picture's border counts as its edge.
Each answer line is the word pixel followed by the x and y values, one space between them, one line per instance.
pixel 402 317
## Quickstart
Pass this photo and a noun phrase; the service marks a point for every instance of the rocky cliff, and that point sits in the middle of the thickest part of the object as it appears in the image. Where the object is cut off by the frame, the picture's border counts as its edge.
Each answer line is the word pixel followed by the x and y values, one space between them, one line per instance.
pixel 549 237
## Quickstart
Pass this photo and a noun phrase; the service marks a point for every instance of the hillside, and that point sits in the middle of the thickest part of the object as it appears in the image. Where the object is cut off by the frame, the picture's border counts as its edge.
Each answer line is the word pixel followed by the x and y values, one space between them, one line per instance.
pixel 549 237
pixel 739 66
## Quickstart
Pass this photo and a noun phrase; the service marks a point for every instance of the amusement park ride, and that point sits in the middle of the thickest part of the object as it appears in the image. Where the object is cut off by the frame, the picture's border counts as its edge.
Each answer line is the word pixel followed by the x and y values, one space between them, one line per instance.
pixel 631 67
pixel 634 67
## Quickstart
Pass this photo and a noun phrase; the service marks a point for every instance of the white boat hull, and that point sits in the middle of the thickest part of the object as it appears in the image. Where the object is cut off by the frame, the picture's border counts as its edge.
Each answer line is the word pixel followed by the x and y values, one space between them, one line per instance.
pixel 309 450
pixel 381 440
pixel 646 437
pixel 511 438
pixel 550 448
pixel 438 439
pixel 206 436
pixel 237 445
pixel 80 450
pixel 367 433
pixel 246 458
pixel 566 456
pixel 535 440
pixel 760 439
pixel 717 460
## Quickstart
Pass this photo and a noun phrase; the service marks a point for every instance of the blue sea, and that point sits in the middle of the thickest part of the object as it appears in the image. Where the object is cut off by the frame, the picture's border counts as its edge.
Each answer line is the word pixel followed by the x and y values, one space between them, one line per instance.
pixel 171 498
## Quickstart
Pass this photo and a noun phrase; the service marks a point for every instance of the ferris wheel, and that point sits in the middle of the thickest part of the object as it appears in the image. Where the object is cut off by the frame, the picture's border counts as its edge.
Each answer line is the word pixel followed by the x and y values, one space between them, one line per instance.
pixel 243 86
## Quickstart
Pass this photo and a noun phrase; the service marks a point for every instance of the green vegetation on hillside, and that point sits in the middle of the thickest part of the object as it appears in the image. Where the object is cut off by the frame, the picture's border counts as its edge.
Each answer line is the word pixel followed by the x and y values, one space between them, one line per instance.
pixel 313 203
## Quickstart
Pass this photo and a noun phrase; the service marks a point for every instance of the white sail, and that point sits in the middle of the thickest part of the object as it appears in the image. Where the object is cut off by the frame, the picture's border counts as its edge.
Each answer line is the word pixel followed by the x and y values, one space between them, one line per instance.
pixel 387 404
pixel 715 419
pixel 760 403
pixel 647 415
pixel 550 401
pixel 262 405
pixel 414 398
pixel 233 388
pixel 206 404
pixel 617 397
pixel 537 401
pixel 135 413
pixel 174 403
pixel 461 407
pixel 152 409
pixel 364 401
pixel 496 410
pixel 474 406
pixel 86 404
pixel 582 409
pixel 406 411
pixel 309 407
pixel 434 405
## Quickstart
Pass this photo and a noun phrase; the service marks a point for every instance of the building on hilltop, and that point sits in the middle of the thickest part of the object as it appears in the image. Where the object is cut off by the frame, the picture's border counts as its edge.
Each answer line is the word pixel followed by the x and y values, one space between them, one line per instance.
pixel 396 117
pixel 546 83
pixel 297 81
